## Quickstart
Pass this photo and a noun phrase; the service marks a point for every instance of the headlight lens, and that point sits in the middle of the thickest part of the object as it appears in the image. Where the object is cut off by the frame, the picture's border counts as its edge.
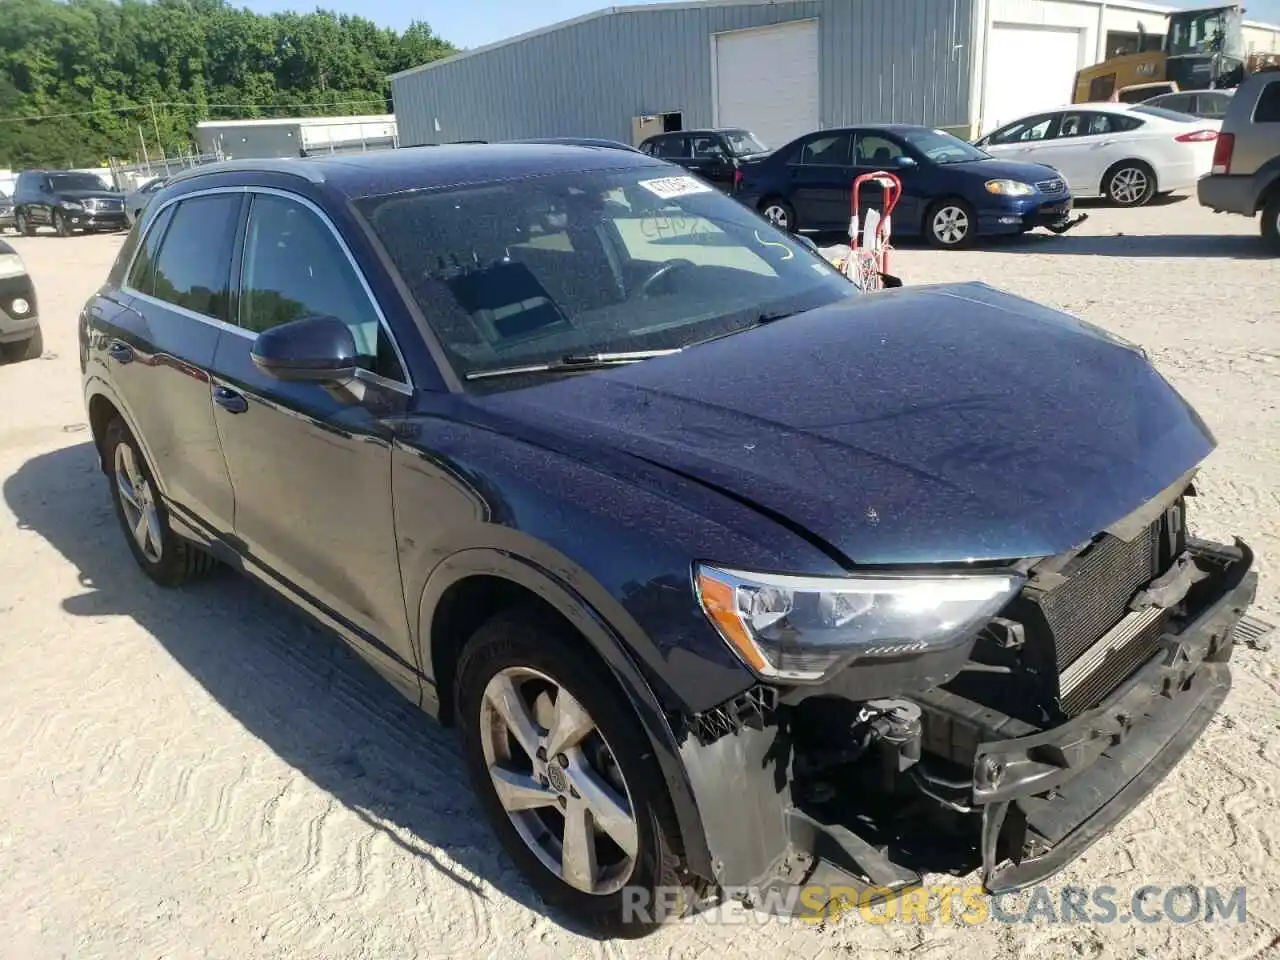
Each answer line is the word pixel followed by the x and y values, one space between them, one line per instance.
pixel 73 204
pixel 802 629
pixel 11 266
pixel 1010 188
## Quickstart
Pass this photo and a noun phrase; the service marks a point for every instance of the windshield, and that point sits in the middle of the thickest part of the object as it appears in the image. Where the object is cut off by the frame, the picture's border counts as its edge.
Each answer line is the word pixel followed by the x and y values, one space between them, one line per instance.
pixel 76 181
pixel 1165 114
pixel 530 271
pixel 743 142
pixel 943 147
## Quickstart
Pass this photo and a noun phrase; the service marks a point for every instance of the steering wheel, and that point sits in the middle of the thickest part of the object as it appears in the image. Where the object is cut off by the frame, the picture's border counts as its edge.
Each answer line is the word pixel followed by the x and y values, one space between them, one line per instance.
pixel 664 269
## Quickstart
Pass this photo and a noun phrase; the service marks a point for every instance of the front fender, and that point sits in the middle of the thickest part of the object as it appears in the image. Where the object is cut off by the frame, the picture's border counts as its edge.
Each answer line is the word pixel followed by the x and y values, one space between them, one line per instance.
pixel 576 597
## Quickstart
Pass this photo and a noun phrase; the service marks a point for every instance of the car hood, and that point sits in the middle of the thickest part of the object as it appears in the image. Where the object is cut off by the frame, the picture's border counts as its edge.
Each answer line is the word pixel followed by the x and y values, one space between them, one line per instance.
pixel 995 169
pixel 90 195
pixel 921 425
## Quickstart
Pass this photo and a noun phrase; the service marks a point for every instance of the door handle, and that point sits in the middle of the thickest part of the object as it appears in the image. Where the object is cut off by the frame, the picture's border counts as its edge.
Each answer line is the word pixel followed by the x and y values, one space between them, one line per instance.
pixel 1106 143
pixel 229 400
pixel 120 352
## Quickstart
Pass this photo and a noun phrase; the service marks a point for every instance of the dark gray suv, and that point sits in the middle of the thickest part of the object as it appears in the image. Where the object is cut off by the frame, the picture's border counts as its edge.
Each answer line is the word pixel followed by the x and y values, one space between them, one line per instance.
pixel 1246 158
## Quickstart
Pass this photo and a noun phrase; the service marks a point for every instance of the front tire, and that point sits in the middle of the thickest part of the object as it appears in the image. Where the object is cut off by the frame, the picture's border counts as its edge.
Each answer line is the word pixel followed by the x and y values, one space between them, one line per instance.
pixel 950 224
pixel 780 213
pixel 1130 184
pixel 61 226
pixel 165 557
pixel 22 223
pixel 565 774
pixel 1271 222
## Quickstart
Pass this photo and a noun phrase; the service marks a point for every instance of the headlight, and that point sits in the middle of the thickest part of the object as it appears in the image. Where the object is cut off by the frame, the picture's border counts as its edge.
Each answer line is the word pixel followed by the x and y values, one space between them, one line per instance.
pixel 11 266
pixel 1010 188
pixel 73 204
pixel 802 629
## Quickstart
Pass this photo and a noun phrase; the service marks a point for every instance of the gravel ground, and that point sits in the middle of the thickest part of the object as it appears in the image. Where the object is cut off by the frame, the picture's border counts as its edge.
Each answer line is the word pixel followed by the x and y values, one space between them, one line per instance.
pixel 203 774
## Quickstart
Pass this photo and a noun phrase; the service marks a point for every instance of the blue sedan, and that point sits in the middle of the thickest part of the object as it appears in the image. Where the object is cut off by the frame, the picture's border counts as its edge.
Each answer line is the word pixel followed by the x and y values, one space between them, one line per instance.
pixel 952 192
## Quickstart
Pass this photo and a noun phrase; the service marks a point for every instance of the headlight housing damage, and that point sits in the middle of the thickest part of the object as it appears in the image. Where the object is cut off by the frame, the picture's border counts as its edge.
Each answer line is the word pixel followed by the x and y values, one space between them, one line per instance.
pixel 803 629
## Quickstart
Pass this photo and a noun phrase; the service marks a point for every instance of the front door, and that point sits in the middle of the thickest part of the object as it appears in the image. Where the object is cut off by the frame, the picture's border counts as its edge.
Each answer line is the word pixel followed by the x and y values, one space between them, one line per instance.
pixel 160 347
pixel 310 464
pixel 878 151
pixel 710 160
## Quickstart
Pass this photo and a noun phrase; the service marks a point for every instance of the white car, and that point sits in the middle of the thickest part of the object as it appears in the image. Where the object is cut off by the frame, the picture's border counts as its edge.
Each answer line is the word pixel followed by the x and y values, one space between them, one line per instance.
pixel 1125 152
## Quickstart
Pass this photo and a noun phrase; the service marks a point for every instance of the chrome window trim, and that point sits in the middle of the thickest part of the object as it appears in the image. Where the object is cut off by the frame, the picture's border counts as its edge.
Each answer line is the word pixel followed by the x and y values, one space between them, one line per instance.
pixel 405 386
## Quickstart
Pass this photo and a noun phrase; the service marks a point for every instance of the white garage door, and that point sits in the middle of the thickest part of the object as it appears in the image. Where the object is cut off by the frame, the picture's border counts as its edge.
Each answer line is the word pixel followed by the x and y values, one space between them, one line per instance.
pixel 1029 68
pixel 766 80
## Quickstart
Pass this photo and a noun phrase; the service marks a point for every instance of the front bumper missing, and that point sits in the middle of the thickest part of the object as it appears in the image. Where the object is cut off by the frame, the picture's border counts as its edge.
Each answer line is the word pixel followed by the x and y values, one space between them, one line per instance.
pixel 1041 797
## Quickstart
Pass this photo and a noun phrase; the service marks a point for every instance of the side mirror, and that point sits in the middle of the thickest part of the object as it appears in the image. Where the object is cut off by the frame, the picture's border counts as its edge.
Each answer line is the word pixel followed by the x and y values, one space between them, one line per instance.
pixel 314 349
pixel 906 162
pixel 806 241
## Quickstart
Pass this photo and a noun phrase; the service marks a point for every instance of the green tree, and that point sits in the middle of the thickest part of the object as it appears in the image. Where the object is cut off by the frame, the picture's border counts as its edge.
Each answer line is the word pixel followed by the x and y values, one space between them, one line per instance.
pixel 97 70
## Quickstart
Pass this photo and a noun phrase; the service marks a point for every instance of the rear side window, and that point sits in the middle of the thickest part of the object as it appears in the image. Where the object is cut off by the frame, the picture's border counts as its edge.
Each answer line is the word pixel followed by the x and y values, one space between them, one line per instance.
pixel 833 150
pixel 670 147
pixel 192 266
pixel 142 276
pixel 1268 108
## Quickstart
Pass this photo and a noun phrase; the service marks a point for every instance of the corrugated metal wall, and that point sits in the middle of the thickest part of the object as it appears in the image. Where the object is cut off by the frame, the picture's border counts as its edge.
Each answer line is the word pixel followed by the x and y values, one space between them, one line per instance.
pixel 881 60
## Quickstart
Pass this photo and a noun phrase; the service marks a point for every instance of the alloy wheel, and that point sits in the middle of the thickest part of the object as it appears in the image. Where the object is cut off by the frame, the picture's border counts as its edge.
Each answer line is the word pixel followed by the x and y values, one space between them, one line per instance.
pixel 138 502
pixel 1129 185
pixel 950 225
pixel 778 215
pixel 558 781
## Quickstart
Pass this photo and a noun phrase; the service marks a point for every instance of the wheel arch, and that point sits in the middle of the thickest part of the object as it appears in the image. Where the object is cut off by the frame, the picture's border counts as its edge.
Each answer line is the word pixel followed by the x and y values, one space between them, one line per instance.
pixel 473 584
pixel 103 404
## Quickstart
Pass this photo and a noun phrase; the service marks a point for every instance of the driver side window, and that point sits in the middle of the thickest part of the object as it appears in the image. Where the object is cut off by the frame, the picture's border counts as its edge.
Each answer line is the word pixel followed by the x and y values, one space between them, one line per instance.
pixel 1043 127
pixel 293 267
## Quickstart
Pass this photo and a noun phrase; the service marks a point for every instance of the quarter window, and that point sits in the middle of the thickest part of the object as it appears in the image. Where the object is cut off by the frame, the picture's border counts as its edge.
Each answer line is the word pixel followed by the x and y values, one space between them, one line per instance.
pixel 294 268
pixel 191 267
pixel 1268 108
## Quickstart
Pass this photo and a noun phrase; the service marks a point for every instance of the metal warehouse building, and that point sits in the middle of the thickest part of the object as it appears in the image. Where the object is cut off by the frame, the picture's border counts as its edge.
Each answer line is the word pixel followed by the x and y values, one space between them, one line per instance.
pixel 778 67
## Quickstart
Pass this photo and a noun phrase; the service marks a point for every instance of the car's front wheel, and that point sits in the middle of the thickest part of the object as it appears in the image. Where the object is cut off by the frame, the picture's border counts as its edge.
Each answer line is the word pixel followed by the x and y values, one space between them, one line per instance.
pixel 780 213
pixel 1271 222
pixel 61 225
pixel 1131 184
pixel 22 223
pixel 168 559
pixel 950 224
pixel 566 775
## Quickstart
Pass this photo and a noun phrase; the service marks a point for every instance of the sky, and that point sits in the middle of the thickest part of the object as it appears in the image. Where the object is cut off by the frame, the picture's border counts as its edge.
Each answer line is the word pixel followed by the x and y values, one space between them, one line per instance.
pixel 472 23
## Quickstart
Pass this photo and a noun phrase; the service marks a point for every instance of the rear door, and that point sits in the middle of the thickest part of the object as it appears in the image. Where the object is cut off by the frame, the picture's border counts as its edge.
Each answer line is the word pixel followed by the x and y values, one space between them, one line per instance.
pixel 821 179
pixel 310 464
pixel 160 349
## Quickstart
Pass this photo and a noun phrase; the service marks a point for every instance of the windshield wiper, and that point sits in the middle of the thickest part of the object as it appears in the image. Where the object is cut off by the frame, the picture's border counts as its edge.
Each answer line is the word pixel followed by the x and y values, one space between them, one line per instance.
pixel 759 321
pixel 575 361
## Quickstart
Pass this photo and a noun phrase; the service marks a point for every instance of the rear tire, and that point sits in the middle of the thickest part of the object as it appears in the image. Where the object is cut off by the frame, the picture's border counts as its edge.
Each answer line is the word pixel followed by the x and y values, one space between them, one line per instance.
pixel 30 349
pixel 525 664
pixel 165 557
pixel 780 213
pixel 1130 183
pixel 1271 222
pixel 60 224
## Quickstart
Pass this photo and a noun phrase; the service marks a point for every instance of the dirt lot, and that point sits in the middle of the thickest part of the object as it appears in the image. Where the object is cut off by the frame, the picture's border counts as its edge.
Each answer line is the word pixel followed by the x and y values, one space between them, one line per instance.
pixel 202 774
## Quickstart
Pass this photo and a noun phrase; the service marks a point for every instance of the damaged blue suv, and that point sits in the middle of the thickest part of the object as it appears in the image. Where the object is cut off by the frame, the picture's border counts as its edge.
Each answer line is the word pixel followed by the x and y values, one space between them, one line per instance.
pixel 729 576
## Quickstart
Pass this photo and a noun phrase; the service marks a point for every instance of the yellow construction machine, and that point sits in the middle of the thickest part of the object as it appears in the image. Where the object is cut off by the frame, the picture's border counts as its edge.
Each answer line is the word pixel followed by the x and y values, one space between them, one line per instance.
pixel 1203 49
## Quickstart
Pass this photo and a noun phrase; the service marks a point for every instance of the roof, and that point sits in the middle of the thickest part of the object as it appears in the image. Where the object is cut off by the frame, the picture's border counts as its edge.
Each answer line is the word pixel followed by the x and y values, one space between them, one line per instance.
pixel 669 5
pixel 414 168
pixel 695 132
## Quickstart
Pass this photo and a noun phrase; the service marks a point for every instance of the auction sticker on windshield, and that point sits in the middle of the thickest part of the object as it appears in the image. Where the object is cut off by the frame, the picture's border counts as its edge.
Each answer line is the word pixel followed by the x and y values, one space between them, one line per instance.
pixel 668 188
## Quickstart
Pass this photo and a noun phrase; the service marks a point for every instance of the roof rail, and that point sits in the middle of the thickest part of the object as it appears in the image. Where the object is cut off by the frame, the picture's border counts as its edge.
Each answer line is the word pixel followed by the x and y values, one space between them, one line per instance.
pixel 288 165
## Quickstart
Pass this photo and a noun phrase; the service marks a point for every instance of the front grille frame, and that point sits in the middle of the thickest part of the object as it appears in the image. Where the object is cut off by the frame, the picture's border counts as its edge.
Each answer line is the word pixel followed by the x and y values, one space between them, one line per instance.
pixel 1052 187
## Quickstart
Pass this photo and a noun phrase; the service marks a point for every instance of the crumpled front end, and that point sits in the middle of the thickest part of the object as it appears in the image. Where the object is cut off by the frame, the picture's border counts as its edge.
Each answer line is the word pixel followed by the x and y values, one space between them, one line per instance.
pixel 1073 704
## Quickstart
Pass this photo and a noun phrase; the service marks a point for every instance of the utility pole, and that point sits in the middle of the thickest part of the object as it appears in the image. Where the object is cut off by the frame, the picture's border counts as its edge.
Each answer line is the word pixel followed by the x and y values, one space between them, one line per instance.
pixel 142 140
pixel 155 123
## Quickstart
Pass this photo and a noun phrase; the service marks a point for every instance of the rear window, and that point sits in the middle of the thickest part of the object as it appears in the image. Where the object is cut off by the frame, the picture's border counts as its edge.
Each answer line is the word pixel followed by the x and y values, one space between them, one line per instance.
pixel 1164 114
pixel 1268 108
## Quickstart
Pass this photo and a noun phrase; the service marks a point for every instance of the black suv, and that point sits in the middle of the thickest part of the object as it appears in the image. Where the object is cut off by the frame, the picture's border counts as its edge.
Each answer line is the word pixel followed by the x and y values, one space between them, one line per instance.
pixel 66 201
pixel 730 576
pixel 714 155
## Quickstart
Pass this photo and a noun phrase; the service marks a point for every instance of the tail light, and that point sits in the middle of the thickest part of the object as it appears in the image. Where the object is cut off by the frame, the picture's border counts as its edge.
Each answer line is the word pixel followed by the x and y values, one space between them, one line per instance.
pixel 1222 149
pixel 1199 136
